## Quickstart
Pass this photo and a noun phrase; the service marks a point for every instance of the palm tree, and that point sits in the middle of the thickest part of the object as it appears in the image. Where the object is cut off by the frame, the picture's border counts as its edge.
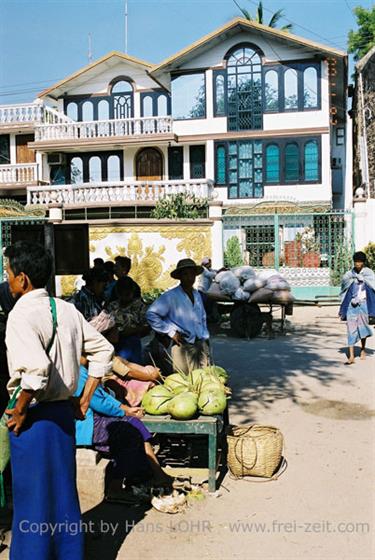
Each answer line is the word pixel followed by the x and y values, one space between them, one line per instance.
pixel 259 17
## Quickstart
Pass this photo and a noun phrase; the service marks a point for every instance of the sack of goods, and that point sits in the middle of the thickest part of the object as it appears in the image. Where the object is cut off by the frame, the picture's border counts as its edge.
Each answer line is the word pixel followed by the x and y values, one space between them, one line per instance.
pixel 254 450
pixel 245 284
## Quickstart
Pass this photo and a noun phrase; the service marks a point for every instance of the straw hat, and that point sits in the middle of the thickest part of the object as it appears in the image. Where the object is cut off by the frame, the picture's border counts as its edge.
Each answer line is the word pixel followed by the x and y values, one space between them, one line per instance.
pixel 183 264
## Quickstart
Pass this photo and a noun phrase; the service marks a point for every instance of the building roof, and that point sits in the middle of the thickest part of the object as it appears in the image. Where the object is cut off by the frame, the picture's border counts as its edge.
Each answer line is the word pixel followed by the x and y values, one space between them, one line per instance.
pixel 234 26
pixel 90 68
pixel 362 63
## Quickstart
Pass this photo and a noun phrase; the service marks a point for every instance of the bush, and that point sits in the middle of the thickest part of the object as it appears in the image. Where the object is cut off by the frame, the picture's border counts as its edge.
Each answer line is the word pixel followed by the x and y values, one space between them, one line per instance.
pixel 369 251
pixel 233 253
pixel 180 206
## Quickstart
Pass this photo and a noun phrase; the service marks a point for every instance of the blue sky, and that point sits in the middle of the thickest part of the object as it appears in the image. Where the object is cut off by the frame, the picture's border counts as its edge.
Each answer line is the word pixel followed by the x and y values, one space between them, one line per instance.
pixel 43 41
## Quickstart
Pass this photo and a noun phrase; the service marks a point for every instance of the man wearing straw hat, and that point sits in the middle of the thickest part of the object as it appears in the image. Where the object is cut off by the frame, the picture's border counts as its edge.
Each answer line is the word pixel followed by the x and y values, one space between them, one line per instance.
pixel 179 314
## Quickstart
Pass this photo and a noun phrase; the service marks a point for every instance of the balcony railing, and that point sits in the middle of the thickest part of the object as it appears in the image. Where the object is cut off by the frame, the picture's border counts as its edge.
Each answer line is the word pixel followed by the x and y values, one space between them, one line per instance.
pixel 103 129
pixel 117 192
pixel 33 113
pixel 21 113
pixel 19 173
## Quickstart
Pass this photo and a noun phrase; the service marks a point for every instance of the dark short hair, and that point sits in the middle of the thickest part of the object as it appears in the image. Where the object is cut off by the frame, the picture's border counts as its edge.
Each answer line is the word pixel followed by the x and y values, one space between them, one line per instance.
pixel 109 266
pixel 94 275
pixel 123 261
pixel 126 284
pixel 99 260
pixel 359 256
pixel 32 259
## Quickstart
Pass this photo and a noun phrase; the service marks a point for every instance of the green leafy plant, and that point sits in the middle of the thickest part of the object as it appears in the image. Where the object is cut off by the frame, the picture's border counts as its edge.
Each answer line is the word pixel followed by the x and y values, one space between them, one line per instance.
pixel 309 244
pixel 233 253
pixel 369 251
pixel 150 296
pixel 342 262
pixel 180 206
pixel 259 17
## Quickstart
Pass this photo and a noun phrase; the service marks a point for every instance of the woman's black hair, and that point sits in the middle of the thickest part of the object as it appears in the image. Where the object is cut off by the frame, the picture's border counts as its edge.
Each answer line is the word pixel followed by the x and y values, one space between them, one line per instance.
pixel 359 256
pixel 32 259
pixel 126 284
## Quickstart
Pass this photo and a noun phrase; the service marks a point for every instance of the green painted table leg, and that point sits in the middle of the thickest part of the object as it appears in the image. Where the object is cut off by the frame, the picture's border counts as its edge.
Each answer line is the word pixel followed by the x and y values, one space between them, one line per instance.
pixel 212 462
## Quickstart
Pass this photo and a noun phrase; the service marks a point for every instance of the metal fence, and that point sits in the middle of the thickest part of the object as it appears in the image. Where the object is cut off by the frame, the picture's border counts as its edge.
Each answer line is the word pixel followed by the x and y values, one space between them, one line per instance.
pixel 312 250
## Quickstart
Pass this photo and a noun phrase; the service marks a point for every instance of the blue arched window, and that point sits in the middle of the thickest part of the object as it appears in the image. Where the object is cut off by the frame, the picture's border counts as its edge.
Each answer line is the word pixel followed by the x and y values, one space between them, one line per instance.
pixel 311 161
pixel 272 163
pixel 291 162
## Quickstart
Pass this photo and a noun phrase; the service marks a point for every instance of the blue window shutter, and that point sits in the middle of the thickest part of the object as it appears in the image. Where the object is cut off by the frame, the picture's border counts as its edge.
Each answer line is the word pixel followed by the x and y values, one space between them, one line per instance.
pixel 272 164
pixel 291 162
pixel 311 161
pixel 220 165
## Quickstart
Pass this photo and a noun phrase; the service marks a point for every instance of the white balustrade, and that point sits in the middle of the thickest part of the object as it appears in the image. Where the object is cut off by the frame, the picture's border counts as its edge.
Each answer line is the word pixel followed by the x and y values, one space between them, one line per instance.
pixel 114 192
pixel 21 113
pixel 103 129
pixel 19 173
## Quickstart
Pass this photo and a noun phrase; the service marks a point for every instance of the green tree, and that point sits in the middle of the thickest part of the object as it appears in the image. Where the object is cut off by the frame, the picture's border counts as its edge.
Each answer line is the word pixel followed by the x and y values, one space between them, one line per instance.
pixel 260 19
pixel 362 40
pixel 233 254
pixel 369 251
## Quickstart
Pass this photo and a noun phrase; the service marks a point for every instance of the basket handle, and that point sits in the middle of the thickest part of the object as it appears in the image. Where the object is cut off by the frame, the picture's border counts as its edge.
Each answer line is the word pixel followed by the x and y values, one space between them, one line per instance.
pixel 241 458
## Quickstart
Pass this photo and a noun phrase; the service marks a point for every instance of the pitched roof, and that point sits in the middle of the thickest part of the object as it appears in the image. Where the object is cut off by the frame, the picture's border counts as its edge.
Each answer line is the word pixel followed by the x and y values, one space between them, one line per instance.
pixel 93 65
pixel 243 23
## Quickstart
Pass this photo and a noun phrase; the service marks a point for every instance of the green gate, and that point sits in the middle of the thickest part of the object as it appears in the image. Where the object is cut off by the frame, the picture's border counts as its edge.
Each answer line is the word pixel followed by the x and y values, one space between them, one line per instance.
pixel 312 250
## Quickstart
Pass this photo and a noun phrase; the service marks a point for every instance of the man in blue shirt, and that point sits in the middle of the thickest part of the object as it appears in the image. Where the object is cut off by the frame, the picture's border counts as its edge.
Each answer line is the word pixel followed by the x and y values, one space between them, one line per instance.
pixel 179 314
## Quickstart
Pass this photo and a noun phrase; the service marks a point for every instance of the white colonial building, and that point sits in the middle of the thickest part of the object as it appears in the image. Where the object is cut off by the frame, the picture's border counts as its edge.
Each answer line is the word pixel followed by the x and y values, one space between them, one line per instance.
pixel 250 117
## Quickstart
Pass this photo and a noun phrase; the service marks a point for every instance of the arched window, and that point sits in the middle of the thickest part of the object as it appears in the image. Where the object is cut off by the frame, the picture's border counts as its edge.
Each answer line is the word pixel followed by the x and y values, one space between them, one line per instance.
pixel 122 86
pixel 87 111
pixel 310 88
pixel 219 95
pixel 291 88
pixel 162 106
pixel 291 162
pixel 244 74
pixel 103 110
pixel 72 111
pixel 122 96
pixel 76 171
pixel 272 90
pixel 113 168
pixel 95 169
pixel 311 161
pixel 147 106
pixel 220 165
pixel 272 163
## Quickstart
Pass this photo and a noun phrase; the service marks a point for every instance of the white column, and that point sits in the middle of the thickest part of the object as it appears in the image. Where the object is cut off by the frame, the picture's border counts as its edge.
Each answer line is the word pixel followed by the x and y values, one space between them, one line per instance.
pixel 137 104
pixel 12 149
pixel 364 223
pixel 210 160
pixel 217 249
pixel 186 163
pixel 209 95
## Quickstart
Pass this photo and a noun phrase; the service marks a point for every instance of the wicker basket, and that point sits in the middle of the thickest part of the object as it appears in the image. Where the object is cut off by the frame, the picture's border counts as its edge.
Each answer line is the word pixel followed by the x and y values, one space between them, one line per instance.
pixel 254 450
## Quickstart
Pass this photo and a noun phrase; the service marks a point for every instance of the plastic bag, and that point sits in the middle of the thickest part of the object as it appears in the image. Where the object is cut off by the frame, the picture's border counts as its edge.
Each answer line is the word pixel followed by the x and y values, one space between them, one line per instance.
pixel 229 283
pixel 241 295
pixel 277 282
pixel 244 273
pixel 254 284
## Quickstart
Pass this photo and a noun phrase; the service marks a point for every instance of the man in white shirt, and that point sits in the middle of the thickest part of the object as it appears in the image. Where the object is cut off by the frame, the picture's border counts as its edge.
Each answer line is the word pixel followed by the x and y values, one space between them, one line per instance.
pixel 42 430
pixel 179 313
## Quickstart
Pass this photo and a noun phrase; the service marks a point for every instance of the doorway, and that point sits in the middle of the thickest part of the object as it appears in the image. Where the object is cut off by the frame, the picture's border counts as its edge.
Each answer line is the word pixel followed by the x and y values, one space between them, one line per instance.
pixel 149 165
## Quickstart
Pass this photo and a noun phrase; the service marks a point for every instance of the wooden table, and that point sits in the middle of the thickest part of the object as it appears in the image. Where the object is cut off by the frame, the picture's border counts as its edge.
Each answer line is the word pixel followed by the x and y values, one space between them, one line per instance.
pixel 203 425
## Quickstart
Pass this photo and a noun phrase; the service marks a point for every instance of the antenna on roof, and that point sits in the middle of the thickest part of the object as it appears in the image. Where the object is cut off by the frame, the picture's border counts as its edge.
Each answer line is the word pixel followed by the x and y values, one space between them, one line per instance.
pixel 126 26
pixel 89 53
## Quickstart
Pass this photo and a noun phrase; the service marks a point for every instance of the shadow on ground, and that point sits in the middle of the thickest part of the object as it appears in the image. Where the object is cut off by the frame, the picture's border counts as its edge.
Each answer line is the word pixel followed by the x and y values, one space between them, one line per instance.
pixel 107 526
pixel 264 370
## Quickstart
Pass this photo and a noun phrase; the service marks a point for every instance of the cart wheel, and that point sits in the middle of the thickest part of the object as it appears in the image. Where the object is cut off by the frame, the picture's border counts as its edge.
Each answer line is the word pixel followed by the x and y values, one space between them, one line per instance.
pixel 246 320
